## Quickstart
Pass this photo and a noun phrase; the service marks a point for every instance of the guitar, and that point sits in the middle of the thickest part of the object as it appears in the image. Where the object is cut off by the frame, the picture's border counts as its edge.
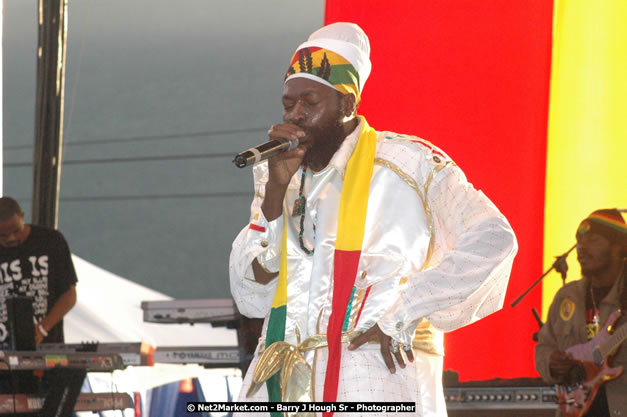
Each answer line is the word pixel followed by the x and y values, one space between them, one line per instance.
pixel 575 400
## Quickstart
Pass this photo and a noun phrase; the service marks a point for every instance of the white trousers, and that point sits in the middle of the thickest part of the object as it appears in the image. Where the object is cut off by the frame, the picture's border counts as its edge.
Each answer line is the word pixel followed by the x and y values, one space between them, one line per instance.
pixel 365 377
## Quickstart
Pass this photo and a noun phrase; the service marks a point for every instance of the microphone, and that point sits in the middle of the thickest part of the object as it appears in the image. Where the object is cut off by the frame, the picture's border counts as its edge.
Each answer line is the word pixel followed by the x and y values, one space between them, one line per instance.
pixel 263 152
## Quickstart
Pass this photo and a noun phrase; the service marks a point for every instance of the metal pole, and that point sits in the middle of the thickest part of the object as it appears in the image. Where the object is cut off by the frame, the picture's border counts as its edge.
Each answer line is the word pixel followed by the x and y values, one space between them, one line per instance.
pixel 556 265
pixel 49 111
pixel 2 72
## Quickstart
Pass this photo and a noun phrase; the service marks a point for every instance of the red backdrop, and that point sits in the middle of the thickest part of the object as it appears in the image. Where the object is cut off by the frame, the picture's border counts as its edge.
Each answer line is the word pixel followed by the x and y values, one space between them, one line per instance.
pixel 472 76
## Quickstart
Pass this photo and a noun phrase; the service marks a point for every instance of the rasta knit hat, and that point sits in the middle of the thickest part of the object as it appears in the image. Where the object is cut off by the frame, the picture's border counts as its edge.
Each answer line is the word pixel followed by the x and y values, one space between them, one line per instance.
pixel 336 55
pixel 608 223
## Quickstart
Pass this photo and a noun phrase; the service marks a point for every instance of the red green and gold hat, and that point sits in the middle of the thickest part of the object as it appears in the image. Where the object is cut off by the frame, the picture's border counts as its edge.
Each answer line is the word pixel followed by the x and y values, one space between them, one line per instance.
pixel 336 55
pixel 608 223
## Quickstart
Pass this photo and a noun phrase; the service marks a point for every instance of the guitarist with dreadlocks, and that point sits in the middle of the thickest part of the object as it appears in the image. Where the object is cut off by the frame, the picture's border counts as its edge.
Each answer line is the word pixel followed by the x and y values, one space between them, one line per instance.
pixel 575 349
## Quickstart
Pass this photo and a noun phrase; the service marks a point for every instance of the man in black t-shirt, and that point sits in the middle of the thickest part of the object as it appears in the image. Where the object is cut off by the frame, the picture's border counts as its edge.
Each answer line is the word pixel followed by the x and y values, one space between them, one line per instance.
pixel 34 261
pixel 580 309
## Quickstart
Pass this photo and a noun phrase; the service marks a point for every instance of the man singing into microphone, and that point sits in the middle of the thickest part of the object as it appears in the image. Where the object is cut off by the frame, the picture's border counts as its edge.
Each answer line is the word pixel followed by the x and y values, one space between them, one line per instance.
pixel 356 238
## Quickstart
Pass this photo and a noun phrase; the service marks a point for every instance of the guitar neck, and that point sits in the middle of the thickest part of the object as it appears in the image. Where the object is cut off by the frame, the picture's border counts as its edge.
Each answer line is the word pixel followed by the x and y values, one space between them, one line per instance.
pixel 607 348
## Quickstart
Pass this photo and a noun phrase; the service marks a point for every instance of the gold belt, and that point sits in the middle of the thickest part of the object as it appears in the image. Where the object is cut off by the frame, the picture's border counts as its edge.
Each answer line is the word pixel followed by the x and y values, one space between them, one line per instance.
pixel 295 378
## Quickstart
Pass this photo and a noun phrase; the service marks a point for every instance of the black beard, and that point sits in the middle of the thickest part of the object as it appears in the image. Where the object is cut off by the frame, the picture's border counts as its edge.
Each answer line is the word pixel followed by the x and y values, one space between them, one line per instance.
pixel 326 141
pixel 590 272
pixel 601 269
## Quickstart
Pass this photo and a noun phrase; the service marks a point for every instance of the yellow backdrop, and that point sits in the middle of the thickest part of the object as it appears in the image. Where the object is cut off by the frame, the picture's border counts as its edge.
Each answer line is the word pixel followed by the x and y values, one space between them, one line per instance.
pixel 587 129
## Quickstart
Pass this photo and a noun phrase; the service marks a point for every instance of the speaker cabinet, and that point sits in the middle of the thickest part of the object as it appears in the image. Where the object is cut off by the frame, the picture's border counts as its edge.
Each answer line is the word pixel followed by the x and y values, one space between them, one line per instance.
pixel 20 323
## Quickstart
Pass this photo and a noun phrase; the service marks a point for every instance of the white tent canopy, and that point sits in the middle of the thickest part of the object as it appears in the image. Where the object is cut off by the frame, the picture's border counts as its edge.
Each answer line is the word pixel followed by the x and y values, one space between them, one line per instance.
pixel 108 310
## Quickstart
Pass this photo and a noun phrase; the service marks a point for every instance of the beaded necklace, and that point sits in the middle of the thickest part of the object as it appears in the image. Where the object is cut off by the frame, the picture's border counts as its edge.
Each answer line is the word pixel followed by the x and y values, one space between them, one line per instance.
pixel 596 319
pixel 302 203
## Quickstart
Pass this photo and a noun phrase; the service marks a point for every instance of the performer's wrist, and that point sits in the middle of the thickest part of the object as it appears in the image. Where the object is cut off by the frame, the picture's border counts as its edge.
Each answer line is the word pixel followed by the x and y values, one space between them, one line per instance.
pixel 272 205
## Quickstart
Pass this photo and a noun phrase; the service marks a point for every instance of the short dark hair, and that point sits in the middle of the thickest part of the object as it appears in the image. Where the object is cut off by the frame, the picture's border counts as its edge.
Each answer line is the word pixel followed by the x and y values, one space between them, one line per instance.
pixel 9 208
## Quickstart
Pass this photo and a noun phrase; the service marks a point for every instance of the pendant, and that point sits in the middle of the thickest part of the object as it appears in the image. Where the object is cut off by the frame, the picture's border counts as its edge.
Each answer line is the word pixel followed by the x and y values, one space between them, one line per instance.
pixel 596 320
pixel 299 204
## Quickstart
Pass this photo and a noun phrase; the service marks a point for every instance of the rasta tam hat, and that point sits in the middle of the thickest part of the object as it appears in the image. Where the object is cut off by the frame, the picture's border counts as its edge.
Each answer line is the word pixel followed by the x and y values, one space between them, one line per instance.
pixel 336 55
pixel 608 223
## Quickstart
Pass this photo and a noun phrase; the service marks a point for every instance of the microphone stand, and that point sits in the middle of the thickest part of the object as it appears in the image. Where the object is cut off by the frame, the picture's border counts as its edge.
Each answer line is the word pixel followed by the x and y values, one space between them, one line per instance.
pixel 559 265
pixel 540 324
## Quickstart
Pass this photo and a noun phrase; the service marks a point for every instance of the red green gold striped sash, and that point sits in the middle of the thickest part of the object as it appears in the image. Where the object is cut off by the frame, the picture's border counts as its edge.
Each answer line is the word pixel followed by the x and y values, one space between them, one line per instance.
pixel 350 234
pixel 276 323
